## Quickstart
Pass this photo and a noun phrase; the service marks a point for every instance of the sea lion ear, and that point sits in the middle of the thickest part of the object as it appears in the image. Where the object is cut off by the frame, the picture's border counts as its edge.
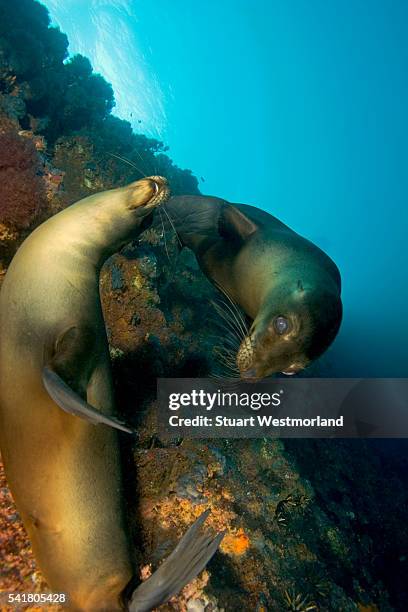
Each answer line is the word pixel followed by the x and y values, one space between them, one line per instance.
pixel 302 290
pixel 235 224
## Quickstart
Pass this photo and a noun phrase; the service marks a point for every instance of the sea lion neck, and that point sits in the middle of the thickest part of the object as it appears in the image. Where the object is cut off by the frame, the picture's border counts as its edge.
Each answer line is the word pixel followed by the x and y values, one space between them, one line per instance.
pixel 98 226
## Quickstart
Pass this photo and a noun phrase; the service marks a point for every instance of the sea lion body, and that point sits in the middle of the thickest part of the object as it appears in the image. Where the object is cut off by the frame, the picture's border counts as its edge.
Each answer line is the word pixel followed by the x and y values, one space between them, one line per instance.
pixel 64 471
pixel 275 275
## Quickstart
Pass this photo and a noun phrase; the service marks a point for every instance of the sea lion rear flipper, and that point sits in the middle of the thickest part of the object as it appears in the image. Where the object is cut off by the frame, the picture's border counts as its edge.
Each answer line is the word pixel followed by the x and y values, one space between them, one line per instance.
pixel 188 559
pixel 71 402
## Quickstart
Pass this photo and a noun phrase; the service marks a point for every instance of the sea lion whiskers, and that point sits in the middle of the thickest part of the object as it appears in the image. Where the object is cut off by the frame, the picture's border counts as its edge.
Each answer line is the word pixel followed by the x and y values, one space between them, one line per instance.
pixel 227 380
pixel 230 364
pixel 225 357
pixel 155 170
pixel 230 317
pixel 143 161
pixel 144 175
pixel 130 163
pixel 232 338
pixel 240 325
pixel 229 339
pixel 229 346
pixel 164 235
pixel 171 222
pixel 234 306
pixel 230 323
pixel 244 353
pixel 227 371
pixel 228 349
pixel 222 372
pixel 172 225
pixel 226 353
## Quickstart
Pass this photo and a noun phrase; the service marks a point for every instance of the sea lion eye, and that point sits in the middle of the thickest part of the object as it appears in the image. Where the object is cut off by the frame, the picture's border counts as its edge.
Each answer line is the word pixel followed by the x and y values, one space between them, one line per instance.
pixel 156 188
pixel 281 324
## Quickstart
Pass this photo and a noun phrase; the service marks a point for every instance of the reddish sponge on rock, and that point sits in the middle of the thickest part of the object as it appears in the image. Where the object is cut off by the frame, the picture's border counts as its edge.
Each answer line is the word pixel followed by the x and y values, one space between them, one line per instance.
pixel 22 190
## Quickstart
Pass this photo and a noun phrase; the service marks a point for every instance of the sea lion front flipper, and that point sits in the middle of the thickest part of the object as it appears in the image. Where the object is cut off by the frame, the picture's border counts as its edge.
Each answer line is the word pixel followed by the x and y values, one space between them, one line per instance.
pixel 187 560
pixel 71 402
pixel 236 225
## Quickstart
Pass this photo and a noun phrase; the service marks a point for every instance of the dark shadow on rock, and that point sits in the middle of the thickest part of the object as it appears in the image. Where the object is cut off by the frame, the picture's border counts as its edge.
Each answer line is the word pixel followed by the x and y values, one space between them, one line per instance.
pixel 362 488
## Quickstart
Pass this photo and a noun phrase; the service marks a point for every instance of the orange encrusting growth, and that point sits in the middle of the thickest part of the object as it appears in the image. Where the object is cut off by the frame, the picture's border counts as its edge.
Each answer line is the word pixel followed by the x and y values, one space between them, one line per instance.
pixel 235 543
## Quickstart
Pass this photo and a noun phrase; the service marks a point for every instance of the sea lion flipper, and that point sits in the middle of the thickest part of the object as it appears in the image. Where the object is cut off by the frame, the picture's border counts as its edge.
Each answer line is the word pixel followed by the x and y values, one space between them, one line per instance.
pixel 187 560
pixel 71 402
pixel 235 224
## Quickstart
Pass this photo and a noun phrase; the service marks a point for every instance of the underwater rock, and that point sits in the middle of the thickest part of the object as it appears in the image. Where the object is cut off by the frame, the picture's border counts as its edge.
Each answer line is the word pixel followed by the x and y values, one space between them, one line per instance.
pixel 117 278
pixel 12 105
pixel 74 156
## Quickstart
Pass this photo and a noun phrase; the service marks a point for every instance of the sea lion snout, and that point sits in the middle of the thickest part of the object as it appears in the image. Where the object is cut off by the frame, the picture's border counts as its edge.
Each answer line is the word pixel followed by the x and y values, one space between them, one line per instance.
pixel 286 342
pixel 148 192
pixel 245 356
pixel 272 347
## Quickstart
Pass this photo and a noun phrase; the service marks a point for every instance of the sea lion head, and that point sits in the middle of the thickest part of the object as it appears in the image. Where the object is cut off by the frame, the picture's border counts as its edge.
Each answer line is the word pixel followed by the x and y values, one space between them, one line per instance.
pixel 291 329
pixel 118 215
pixel 147 193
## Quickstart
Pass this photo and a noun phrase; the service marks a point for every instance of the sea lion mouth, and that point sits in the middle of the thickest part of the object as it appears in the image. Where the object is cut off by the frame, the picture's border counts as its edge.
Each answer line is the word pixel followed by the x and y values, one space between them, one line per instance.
pixel 148 193
pixel 295 367
pixel 253 367
pixel 161 191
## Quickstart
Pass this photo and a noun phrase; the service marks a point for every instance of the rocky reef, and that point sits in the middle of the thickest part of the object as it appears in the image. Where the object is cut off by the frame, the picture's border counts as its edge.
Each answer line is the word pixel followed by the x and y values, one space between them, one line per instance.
pixel 311 525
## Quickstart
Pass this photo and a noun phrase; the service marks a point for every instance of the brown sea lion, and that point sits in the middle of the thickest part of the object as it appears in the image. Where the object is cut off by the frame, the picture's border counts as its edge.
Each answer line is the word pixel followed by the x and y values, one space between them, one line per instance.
pixel 287 286
pixel 64 471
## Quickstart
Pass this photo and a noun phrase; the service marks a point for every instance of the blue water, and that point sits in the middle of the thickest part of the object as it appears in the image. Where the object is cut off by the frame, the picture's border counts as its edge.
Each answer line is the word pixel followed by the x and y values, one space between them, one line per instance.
pixel 298 107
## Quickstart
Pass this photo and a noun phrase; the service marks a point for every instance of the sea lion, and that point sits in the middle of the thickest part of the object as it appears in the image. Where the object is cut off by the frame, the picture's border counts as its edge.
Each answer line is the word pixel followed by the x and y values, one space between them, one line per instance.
pixel 64 471
pixel 287 286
